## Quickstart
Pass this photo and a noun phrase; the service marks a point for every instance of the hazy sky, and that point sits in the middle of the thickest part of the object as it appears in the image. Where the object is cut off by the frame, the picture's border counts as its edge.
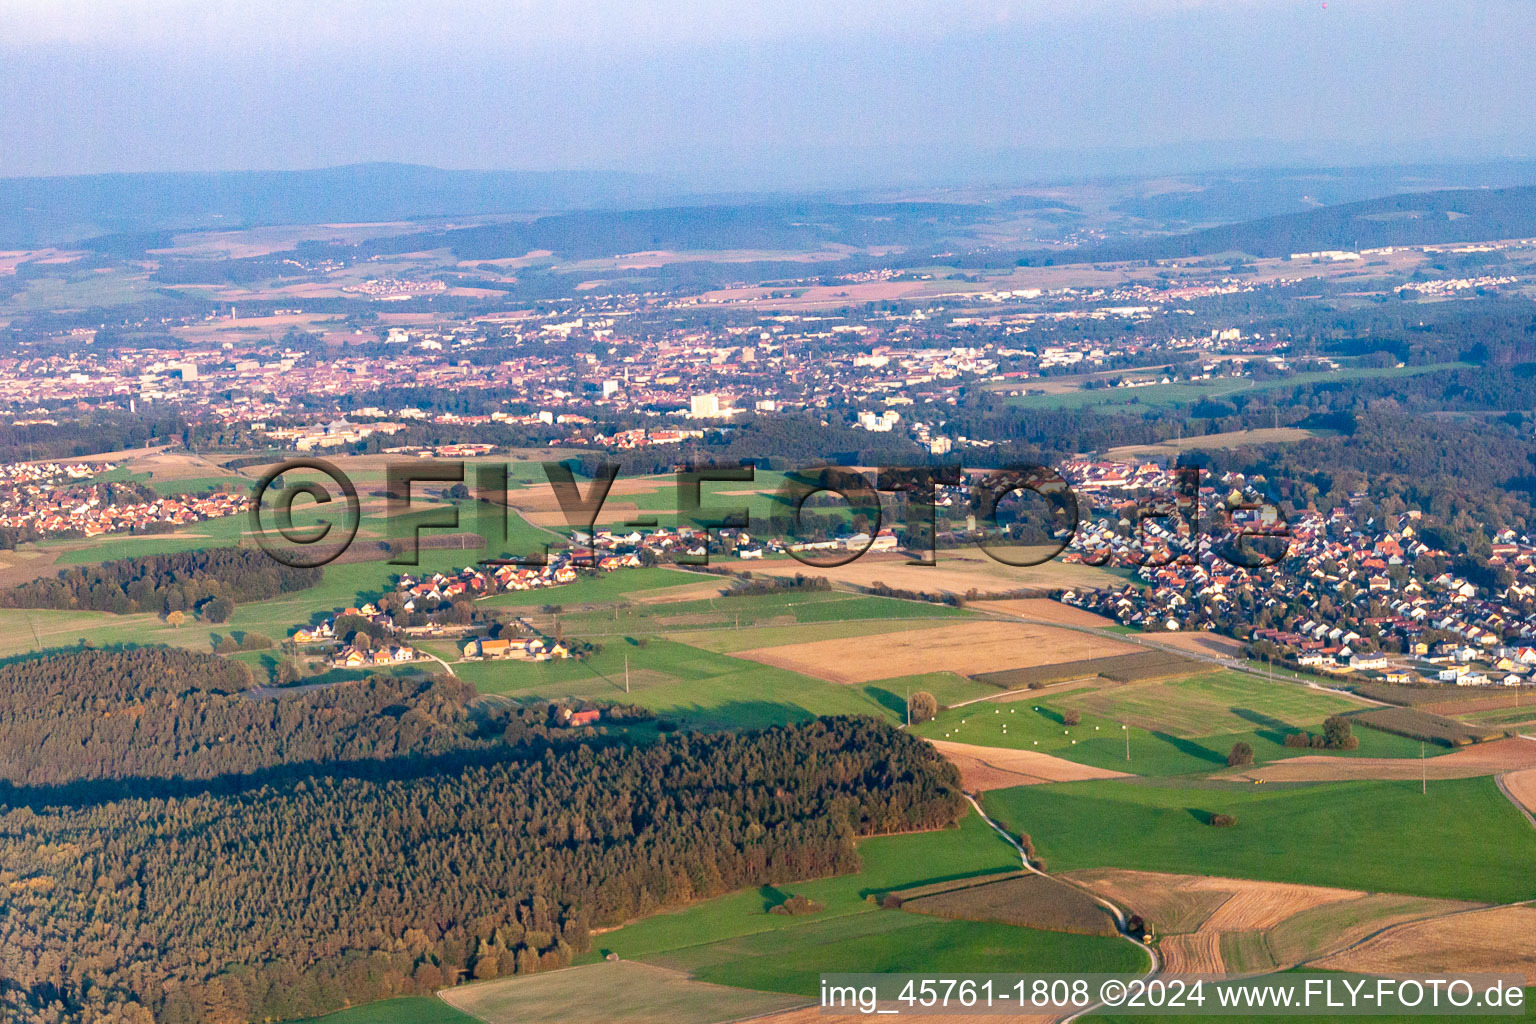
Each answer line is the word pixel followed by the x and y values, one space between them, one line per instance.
pixel 728 92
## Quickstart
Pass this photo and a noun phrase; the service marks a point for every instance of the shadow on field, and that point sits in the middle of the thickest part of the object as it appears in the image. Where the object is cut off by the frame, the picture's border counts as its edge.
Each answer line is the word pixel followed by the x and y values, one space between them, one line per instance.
pixel 892 702
pixel 1269 727
pixel 1191 748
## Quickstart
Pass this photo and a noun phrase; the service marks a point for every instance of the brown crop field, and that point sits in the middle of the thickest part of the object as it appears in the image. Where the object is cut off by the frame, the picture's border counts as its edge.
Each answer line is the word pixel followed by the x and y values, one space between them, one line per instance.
pixel 1043 609
pixel 1496 940
pixel 1493 758
pixel 1210 442
pixel 1443 699
pixel 1522 786
pixel 1028 901
pixel 968 648
pixel 1195 953
pixel 1336 926
pixel 1420 725
pixel 1513 697
pixel 1185 903
pixel 1226 924
pixel 1123 668
pixel 1171 904
pixel 1201 642
pixel 988 768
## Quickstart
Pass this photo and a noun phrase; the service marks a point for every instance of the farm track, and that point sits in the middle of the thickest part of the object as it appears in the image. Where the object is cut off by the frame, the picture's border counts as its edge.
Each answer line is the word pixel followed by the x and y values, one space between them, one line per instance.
pixel 1119 914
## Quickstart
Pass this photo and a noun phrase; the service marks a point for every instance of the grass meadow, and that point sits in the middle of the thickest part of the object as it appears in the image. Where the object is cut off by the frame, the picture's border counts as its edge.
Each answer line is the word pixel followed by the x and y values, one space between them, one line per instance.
pixel 1460 840
pixel 1175 727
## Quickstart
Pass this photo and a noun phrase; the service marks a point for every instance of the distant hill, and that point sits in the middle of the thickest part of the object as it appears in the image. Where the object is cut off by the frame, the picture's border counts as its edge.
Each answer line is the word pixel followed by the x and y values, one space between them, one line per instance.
pixel 1419 218
pixel 798 225
pixel 50 211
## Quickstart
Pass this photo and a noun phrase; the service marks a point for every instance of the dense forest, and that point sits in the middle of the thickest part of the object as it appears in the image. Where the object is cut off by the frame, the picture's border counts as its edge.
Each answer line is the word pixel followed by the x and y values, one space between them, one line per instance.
pixel 210 581
pixel 286 901
pixel 145 714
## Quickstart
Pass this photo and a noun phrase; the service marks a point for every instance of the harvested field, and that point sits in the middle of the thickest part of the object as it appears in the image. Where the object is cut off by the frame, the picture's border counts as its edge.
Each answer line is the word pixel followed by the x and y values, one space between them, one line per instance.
pixel 1044 610
pixel 1421 725
pixel 1188 903
pixel 622 511
pixel 1521 786
pixel 1209 442
pixel 967 648
pixel 1496 940
pixel 1171 904
pixel 611 993
pixel 1336 926
pixel 1201 642
pixel 1255 906
pixel 1122 668
pixel 1494 758
pixel 987 768
pixel 1029 901
pixel 1197 953
pixel 1225 924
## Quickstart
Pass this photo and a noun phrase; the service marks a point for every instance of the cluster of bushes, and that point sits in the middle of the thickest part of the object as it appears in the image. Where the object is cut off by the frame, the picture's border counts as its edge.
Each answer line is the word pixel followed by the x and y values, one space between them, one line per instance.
pixel 798 906
pixel 1338 734
pixel 922 706
pixel 879 589
pixel 242 641
pixel 752 586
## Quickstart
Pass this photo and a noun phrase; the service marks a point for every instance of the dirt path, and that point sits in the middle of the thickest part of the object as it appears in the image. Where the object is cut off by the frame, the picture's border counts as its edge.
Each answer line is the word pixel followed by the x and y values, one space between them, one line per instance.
pixel 1120 917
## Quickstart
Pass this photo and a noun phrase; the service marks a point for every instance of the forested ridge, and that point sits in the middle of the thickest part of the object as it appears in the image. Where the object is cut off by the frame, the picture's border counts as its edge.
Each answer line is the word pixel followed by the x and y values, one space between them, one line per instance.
pixel 183 581
pixel 212 904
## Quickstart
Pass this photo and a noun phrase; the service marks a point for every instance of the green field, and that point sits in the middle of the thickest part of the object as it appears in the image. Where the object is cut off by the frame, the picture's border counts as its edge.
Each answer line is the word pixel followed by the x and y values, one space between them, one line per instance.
pixel 694 687
pixel 410 1010
pixel 605 993
pixel 733 940
pixel 1461 840
pixel 894 941
pixel 889 863
pixel 1234 706
pixel 1211 703
pixel 785 608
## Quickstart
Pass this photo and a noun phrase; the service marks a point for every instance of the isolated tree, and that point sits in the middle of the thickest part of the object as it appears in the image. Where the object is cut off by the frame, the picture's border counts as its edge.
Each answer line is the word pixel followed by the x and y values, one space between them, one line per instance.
pixel 1340 733
pixel 922 706
pixel 176 618
pixel 1073 717
pixel 1242 754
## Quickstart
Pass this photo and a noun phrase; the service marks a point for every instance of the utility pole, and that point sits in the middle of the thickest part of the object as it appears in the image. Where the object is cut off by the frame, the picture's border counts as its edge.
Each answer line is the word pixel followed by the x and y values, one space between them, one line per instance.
pixel 1127 732
pixel 1423 771
pixel 626 673
pixel 909 706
